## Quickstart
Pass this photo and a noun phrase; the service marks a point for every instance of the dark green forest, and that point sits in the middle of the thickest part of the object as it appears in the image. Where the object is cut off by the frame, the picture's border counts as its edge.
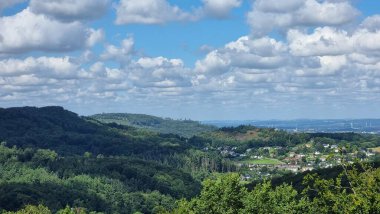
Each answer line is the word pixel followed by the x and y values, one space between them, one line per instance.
pixel 54 157
pixel 54 161
pixel 354 190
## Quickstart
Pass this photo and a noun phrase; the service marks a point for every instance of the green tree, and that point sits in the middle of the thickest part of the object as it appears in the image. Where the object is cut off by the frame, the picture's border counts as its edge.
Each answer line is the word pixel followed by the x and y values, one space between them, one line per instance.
pixel 355 190
pixel 43 156
pixel 265 199
pixel 32 209
pixel 69 210
pixel 224 195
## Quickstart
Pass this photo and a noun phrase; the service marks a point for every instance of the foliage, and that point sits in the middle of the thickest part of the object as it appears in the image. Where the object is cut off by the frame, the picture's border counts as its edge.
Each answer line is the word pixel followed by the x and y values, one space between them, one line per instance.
pixel 65 133
pixel 356 190
pixel 51 156
pixel 221 195
pixel 121 185
pixel 227 195
pixel 30 209
pixel 52 160
pixel 265 199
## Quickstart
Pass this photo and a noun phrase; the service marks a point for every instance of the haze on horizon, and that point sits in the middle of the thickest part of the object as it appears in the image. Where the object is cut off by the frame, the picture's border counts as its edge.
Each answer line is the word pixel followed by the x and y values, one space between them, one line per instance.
pixel 203 59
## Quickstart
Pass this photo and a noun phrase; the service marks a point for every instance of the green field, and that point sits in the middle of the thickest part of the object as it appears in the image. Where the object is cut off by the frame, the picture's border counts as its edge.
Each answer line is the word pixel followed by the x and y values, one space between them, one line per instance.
pixel 376 149
pixel 263 161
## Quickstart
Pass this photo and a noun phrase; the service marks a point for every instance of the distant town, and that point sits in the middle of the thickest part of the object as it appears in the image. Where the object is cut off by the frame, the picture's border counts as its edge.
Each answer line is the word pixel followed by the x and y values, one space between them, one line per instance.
pixel 320 153
pixel 276 161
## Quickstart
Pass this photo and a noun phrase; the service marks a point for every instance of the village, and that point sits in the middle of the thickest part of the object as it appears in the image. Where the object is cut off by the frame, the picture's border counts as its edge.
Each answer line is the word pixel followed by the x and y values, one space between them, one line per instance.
pixel 269 162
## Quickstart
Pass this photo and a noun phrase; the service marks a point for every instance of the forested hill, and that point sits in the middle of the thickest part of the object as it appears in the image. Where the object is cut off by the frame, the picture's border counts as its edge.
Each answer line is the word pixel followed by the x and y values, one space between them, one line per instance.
pixel 54 157
pixel 186 128
pixel 251 137
pixel 67 133
pixel 51 158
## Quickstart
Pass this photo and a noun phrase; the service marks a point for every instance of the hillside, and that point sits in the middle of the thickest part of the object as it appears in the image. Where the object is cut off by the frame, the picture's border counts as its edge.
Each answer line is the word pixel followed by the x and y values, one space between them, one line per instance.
pixel 263 153
pixel 67 133
pixel 52 156
pixel 244 137
pixel 354 190
pixel 185 128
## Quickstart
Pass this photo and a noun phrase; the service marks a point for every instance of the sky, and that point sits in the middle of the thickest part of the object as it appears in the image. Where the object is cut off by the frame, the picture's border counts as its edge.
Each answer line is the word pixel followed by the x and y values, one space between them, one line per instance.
pixel 193 59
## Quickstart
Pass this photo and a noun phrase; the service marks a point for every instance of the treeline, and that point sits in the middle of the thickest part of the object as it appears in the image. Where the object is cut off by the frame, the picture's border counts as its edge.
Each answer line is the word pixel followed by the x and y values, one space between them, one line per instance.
pixel 355 190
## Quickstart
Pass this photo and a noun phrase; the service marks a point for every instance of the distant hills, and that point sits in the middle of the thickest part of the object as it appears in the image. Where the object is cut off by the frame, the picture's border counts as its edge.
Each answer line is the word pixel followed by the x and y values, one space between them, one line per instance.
pixel 67 133
pixel 54 156
pixel 308 125
pixel 126 163
pixel 185 128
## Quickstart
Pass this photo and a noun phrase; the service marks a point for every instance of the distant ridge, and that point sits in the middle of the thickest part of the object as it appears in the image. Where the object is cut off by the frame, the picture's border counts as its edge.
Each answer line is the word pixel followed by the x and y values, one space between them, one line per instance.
pixel 58 129
pixel 185 128
pixel 53 156
pixel 308 125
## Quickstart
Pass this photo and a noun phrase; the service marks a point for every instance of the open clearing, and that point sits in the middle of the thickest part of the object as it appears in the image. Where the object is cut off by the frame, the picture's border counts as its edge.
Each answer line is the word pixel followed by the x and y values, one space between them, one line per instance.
pixel 269 161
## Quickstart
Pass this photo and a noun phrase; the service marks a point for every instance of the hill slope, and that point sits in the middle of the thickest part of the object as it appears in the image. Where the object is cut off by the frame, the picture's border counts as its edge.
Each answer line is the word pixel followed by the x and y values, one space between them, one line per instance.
pixel 52 156
pixel 186 128
pixel 67 133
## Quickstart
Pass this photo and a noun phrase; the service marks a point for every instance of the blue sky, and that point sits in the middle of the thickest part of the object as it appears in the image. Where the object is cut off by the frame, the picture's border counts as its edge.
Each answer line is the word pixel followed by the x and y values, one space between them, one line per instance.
pixel 203 59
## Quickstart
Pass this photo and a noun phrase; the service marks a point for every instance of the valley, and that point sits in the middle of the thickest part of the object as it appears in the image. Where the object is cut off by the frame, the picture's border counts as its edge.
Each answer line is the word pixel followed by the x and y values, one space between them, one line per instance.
pixel 114 164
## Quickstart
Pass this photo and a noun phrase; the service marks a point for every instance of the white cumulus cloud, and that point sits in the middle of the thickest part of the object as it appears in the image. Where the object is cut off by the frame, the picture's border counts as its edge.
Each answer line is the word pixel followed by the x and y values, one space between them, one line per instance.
pixel 267 15
pixel 27 31
pixel 161 11
pixel 149 12
pixel 372 23
pixel 159 72
pixel 323 41
pixel 220 8
pixel 263 53
pixel 120 54
pixel 57 67
pixel 70 10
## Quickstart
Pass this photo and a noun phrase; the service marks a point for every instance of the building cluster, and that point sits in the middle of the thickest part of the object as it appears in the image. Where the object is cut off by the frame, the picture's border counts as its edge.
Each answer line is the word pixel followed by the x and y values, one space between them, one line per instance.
pixel 296 161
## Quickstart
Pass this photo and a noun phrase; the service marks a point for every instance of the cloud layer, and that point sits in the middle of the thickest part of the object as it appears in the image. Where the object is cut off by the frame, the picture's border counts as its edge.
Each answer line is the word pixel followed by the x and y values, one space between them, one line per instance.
pixel 300 54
